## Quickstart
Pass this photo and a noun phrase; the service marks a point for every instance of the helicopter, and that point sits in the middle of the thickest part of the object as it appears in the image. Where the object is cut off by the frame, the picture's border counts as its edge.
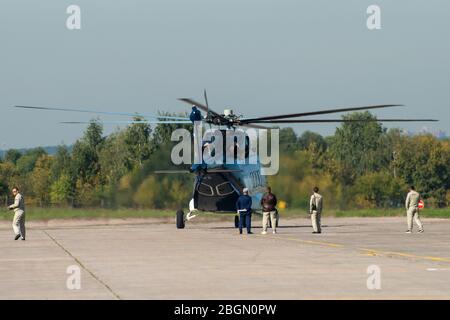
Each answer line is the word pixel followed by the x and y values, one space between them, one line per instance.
pixel 217 187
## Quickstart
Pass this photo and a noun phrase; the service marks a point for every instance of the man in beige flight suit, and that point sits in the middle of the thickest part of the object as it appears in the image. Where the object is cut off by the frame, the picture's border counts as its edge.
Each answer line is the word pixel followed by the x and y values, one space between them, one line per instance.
pixel 412 209
pixel 19 214
pixel 315 209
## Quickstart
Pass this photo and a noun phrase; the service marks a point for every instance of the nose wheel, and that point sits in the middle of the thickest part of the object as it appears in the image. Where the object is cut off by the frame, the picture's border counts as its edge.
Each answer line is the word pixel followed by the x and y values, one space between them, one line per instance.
pixel 180 219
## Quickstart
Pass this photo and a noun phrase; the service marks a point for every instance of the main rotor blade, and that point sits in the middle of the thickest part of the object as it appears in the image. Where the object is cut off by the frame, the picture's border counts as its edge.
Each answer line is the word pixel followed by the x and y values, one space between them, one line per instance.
pixel 103 112
pixel 223 170
pixel 305 114
pixel 187 171
pixel 344 120
pixel 130 122
pixel 206 102
pixel 171 171
pixel 199 105
pixel 255 126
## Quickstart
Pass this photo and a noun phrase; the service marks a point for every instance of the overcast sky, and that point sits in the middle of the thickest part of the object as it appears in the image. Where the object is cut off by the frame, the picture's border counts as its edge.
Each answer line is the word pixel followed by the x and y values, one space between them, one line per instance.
pixel 260 57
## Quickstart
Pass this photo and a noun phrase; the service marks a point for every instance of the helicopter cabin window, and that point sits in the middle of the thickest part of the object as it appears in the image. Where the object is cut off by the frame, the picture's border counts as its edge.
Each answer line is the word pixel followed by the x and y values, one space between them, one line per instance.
pixel 205 190
pixel 224 189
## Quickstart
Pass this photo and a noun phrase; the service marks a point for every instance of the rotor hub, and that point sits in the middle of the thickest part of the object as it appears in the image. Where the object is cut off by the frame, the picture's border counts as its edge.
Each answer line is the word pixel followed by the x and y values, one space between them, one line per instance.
pixel 228 113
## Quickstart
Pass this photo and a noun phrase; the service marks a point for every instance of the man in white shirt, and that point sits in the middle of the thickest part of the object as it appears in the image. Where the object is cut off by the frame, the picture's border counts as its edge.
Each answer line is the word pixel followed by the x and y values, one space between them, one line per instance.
pixel 412 209
pixel 19 214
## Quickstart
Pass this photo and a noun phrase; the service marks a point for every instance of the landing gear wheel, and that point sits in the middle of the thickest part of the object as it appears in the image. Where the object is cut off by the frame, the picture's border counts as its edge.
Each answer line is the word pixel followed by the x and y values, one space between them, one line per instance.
pixel 180 219
pixel 236 221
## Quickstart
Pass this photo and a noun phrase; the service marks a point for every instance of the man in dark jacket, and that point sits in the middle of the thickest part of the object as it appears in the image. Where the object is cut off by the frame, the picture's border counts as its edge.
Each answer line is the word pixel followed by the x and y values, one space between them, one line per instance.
pixel 244 208
pixel 269 209
pixel 195 115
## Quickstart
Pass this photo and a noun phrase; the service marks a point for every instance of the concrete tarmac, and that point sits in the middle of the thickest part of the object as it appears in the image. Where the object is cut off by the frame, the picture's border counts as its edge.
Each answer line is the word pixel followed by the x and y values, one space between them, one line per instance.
pixel 151 259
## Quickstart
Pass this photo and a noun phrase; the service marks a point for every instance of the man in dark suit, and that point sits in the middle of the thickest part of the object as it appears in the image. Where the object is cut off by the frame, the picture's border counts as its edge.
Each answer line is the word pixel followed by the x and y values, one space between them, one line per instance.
pixel 244 208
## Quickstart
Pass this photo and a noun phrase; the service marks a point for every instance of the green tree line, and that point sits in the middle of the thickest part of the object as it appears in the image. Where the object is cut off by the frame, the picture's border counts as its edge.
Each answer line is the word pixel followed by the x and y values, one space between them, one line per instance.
pixel 362 165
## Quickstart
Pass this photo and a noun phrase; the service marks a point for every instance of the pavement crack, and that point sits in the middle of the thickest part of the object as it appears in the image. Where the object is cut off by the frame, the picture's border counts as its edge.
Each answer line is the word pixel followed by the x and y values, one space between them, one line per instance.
pixel 116 296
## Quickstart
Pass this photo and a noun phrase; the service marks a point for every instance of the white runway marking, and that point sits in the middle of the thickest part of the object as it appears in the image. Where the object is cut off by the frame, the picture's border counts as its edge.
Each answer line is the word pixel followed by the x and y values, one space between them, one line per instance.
pixel 434 269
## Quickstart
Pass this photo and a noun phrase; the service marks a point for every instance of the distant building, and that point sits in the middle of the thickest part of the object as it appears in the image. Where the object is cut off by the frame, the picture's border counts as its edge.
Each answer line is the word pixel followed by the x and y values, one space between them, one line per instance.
pixel 440 134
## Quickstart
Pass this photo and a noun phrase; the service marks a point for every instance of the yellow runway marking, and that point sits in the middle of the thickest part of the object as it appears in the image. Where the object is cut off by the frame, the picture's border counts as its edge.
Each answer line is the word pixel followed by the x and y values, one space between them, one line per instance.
pixel 365 251
pixel 404 255
pixel 327 244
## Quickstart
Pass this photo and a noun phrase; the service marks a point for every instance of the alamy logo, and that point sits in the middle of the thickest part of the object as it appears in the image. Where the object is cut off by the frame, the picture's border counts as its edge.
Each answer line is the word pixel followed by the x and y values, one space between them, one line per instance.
pixel 73 22
pixel 74 279
pixel 241 147
pixel 374 279
pixel 374 19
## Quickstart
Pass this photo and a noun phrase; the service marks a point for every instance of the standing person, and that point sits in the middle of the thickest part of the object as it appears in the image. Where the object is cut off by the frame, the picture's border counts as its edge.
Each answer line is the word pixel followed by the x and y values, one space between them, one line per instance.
pixel 269 204
pixel 244 208
pixel 315 209
pixel 19 214
pixel 412 209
